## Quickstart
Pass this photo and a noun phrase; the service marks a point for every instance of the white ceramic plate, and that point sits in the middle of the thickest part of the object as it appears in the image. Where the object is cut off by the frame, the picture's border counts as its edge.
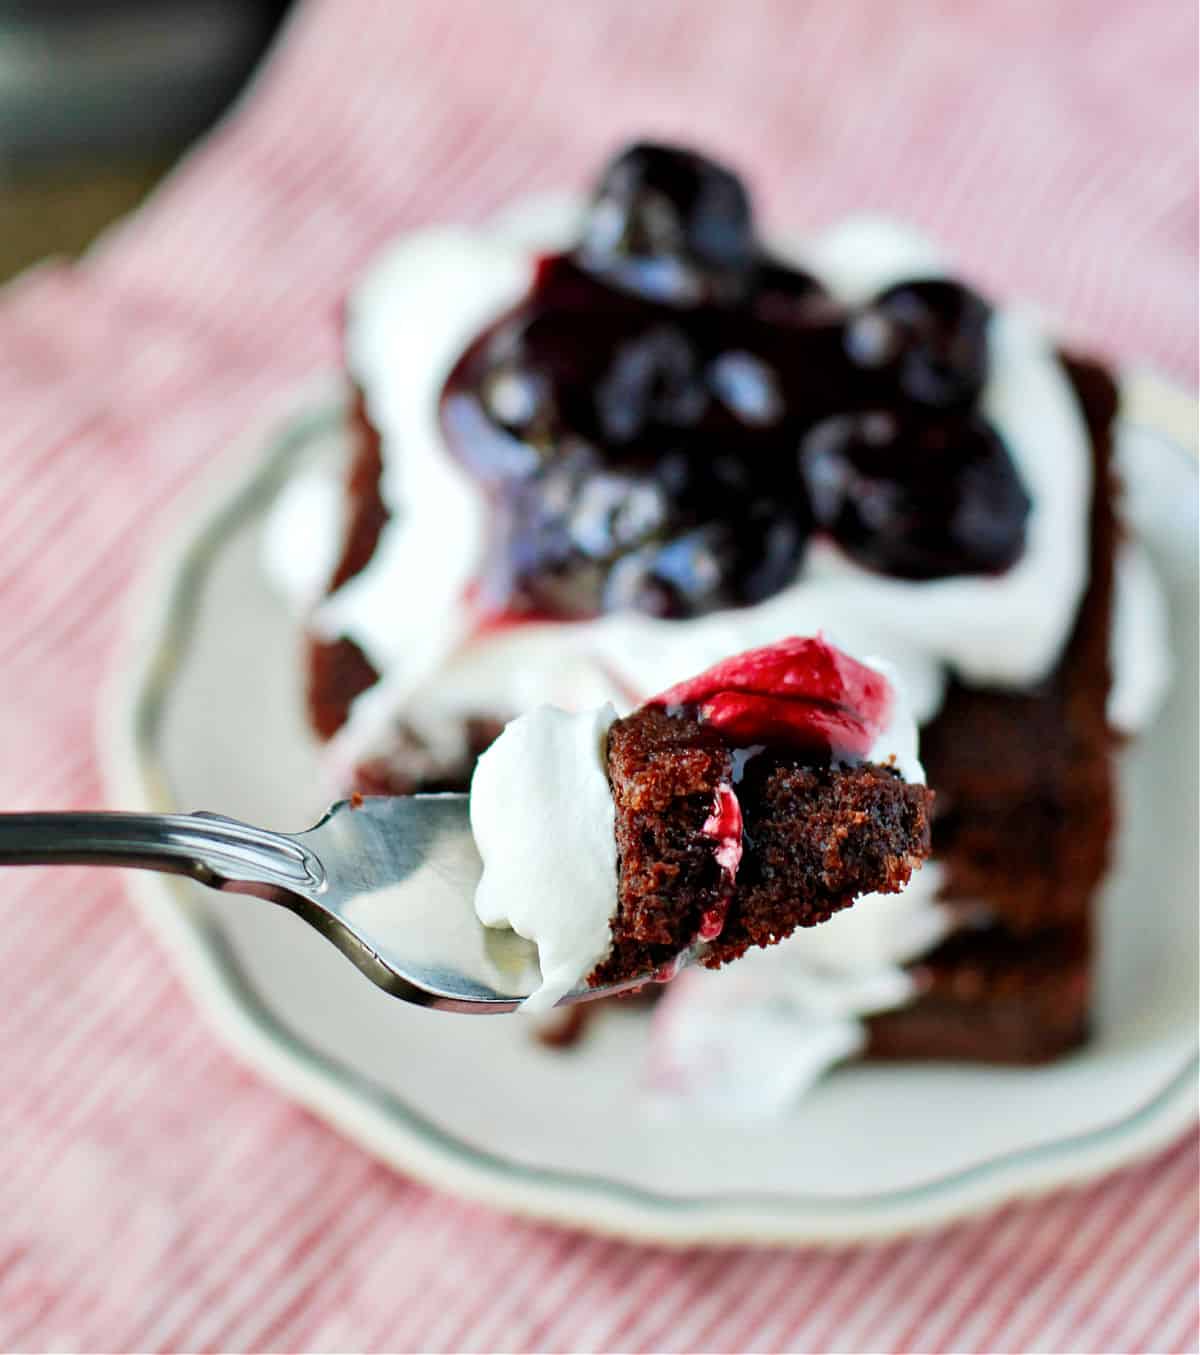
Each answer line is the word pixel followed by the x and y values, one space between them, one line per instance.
pixel 208 715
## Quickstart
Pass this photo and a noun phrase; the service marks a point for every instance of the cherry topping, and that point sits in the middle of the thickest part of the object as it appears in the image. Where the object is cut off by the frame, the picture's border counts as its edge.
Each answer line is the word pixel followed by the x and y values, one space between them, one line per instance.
pixel 636 417
pixel 747 387
pixel 670 225
pixel 802 691
pixel 724 826
pixel 653 382
pixel 562 530
pixel 918 498
pixel 685 575
pixel 714 565
pixel 931 334
pixel 788 296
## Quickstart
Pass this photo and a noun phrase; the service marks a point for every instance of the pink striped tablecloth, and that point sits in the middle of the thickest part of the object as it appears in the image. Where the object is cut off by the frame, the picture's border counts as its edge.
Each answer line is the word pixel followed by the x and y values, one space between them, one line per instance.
pixel 153 1195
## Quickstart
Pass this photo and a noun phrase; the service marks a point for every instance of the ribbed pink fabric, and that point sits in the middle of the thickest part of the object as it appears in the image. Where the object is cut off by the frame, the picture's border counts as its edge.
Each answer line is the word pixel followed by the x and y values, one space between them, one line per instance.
pixel 155 1196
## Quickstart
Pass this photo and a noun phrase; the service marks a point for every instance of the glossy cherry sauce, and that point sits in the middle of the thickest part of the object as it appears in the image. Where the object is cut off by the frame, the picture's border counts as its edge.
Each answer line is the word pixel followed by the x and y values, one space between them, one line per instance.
pixel 669 416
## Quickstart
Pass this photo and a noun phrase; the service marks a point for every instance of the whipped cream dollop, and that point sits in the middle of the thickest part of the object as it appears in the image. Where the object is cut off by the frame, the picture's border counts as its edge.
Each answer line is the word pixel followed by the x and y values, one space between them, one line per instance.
pixel 300 543
pixel 404 328
pixel 543 818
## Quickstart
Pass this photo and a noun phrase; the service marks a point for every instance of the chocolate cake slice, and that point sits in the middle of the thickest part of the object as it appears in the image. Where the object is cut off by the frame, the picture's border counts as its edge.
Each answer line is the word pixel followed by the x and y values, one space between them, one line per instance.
pixel 671 431
pixel 986 995
pixel 1022 823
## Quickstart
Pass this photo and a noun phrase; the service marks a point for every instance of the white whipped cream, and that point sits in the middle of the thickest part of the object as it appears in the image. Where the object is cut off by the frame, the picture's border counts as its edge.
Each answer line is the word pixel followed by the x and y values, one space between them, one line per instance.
pixel 543 819
pixel 896 742
pixel 300 540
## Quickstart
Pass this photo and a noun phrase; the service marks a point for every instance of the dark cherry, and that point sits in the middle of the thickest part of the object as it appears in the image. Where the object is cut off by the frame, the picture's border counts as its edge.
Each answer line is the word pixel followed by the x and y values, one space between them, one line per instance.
pixel 788 296
pixel 684 576
pixel 671 226
pixel 717 564
pixel 932 335
pixel 636 417
pixel 774 539
pixel 915 497
pixel 616 512
pixel 653 382
pixel 559 532
pixel 530 568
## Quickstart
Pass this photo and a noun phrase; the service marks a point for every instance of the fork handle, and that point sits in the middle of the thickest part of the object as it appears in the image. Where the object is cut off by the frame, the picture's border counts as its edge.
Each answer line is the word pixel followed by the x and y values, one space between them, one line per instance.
pixel 219 852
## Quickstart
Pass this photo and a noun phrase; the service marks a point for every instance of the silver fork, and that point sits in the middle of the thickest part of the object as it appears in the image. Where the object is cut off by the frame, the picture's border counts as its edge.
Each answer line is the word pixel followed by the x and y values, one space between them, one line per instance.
pixel 390 881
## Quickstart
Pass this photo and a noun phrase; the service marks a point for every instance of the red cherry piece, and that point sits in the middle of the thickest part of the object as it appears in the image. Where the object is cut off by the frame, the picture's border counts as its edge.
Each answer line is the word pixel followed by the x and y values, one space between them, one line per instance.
pixel 800 691
pixel 712 921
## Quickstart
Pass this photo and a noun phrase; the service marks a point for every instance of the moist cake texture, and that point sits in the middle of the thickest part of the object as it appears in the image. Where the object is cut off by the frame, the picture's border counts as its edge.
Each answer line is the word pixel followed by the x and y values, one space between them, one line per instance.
pixel 818 837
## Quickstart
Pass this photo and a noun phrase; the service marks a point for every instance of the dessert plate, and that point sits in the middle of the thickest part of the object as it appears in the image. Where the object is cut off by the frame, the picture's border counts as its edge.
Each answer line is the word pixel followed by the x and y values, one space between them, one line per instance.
pixel 206 712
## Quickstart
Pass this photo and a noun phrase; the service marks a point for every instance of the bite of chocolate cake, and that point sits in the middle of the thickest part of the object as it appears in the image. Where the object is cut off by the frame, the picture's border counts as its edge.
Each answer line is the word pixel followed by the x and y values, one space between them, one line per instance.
pixel 766 794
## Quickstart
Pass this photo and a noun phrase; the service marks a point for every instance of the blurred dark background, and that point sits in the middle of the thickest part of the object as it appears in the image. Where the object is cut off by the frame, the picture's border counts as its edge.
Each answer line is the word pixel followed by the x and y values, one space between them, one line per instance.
pixel 99 97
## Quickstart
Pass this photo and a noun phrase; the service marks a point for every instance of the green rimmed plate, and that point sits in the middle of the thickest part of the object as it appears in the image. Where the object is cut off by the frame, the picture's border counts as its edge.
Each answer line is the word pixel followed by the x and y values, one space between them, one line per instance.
pixel 206 712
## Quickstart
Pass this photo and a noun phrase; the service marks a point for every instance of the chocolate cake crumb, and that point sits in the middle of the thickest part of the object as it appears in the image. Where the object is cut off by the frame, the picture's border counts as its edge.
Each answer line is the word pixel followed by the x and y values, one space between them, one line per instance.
pixel 821 837
pixel 664 772
pixel 338 671
pixel 815 838
pixel 368 513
